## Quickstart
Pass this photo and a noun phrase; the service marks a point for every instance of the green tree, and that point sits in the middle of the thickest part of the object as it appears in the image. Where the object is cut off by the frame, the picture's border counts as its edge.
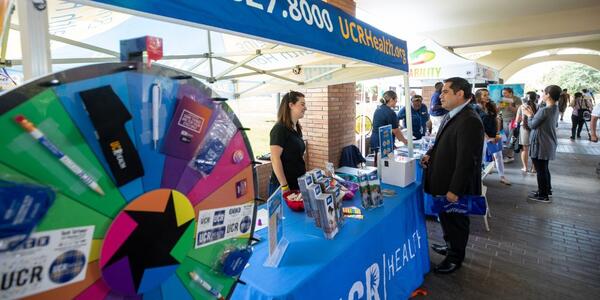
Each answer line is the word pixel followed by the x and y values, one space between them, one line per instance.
pixel 574 77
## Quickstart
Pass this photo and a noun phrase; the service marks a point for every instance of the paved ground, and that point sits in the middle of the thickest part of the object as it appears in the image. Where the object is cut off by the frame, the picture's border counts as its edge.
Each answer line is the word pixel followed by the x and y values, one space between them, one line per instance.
pixel 534 250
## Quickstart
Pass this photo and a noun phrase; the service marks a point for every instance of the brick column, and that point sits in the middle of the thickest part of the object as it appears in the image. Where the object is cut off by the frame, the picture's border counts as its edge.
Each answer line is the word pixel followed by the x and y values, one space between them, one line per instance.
pixel 328 125
pixel 427 93
pixel 329 119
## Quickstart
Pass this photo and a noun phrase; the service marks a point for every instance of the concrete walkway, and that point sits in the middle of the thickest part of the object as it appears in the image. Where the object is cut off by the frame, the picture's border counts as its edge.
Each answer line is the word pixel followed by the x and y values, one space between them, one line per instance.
pixel 534 250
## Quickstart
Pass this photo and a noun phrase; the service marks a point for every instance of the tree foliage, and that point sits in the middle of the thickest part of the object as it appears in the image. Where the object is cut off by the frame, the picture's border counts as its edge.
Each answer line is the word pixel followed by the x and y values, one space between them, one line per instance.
pixel 574 77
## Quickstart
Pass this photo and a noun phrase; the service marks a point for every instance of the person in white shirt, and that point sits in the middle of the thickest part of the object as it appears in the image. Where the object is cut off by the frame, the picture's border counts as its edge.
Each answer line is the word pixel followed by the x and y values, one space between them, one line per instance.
pixel 594 121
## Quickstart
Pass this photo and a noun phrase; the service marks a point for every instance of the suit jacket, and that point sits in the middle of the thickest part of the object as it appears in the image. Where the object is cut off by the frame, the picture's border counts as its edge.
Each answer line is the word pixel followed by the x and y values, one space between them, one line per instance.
pixel 455 159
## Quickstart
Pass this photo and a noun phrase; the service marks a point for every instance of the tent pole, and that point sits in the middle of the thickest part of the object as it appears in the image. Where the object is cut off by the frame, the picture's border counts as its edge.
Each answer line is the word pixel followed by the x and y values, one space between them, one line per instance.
pixel 408 108
pixel 363 120
pixel 5 31
pixel 260 71
pixel 244 62
pixel 210 60
pixel 35 43
pixel 74 43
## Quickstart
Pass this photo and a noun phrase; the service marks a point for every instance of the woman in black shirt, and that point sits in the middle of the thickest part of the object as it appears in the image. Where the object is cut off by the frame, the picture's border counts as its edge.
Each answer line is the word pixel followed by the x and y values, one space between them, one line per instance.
pixel 287 145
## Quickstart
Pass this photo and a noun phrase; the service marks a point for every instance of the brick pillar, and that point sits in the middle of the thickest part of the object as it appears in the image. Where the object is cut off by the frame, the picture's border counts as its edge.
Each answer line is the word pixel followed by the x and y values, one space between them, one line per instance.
pixel 427 93
pixel 328 125
pixel 329 120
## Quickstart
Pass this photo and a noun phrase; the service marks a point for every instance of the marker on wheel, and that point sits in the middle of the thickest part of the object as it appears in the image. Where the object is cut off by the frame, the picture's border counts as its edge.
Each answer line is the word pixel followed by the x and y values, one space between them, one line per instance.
pixel 156 95
pixel 63 158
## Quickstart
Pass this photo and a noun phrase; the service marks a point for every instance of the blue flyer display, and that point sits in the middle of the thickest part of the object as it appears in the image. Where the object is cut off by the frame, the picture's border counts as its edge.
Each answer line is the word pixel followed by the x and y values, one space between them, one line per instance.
pixel 386 140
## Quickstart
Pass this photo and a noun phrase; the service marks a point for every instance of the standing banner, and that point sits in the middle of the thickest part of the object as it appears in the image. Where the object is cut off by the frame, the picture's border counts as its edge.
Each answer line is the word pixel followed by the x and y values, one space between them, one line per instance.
pixel 496 90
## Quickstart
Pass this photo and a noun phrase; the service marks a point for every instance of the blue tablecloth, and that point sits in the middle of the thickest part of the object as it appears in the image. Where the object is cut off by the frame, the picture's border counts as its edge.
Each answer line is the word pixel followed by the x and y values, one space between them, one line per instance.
pixel 386 254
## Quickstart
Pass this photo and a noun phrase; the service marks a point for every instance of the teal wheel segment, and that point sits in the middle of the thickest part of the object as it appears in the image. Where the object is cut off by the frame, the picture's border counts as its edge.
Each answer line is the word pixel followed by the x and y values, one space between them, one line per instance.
pixel 173 288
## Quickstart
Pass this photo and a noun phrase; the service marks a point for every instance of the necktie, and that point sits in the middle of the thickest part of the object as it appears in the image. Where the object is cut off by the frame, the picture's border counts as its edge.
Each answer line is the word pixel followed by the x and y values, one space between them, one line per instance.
pixel 443 124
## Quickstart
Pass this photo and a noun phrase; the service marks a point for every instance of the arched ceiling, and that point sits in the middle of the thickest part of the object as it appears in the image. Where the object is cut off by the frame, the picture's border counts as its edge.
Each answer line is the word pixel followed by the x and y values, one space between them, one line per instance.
pixel 517 65
pixel 508 30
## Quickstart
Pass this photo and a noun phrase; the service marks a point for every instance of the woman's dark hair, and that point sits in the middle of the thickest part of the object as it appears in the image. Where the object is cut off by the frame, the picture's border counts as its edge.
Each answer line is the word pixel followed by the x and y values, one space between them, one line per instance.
pixel 387 96
pixel 553 91
pixel 531 101
pixel 578 95
pixel 489 106
pixel 284 115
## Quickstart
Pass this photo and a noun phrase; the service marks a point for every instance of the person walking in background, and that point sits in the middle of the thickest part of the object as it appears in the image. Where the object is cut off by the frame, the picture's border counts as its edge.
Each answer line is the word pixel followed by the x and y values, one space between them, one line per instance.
pixel 287 145
pixel 579 104
pixel 453 168
pixel 508 109
pixel 384 115
pixel 543 141
pixel 491 124
pixel 419 116
pixel 588 95
pixel 564 100
pixel 593 122
pixel 436 111
pixel 525 130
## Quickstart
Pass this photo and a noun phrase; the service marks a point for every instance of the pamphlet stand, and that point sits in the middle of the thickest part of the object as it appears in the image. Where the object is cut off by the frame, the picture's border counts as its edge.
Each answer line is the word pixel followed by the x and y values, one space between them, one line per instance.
pixel 277 243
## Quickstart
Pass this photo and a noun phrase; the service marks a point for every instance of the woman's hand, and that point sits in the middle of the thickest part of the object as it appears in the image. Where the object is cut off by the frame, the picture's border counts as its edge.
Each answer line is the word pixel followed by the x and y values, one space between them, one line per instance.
pixel 497 139
pixel 528 111
pixel 404 140
pixel 425 161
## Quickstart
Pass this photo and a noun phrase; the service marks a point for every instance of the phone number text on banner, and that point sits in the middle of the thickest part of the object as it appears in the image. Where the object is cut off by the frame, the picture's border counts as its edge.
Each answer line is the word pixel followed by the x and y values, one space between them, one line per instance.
pixel 307 23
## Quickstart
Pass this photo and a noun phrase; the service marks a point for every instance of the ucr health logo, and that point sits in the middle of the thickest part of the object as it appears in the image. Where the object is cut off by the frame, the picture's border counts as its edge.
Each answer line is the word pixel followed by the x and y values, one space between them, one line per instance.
pixel 374 285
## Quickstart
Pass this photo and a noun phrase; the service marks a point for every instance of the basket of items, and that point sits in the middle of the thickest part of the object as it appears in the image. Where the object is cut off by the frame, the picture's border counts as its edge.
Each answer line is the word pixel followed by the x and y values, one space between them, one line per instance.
pixel 293 199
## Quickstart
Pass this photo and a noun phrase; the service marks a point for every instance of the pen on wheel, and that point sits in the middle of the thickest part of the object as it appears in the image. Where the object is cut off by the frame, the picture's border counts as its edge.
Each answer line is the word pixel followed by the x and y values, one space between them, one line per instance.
pixel 155 112
pixel 63 158
pixel 206 286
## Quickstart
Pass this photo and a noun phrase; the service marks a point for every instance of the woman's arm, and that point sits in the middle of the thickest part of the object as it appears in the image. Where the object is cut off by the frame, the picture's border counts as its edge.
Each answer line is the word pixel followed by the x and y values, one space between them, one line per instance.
pixel 277 164
pixel 398 134
pixel 519 117
pixel 537 120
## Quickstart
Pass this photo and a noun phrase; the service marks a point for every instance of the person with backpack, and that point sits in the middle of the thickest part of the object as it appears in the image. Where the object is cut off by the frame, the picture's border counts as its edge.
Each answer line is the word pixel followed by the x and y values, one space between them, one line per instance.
pixel 580 106
pixel 562 102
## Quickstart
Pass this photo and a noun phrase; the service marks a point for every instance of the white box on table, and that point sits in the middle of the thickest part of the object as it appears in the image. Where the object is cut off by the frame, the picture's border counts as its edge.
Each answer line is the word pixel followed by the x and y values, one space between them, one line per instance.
pixel 399 171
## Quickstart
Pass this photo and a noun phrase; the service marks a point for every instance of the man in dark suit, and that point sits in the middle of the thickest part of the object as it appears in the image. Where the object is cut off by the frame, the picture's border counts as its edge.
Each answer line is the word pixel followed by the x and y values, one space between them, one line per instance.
pixel 453 168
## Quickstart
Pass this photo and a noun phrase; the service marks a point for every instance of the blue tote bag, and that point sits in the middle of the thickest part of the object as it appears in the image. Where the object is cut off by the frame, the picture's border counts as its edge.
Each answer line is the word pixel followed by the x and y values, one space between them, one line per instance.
pixel 466 205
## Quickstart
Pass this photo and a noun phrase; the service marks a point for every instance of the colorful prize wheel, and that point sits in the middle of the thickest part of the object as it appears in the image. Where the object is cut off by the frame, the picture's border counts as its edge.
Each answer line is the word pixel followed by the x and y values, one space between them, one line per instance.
pixel 150 161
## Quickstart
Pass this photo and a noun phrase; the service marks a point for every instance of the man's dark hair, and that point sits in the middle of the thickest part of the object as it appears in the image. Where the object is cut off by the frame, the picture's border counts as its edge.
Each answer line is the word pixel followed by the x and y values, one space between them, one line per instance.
pixel 578 95
pixel 438 86
pixel 565 90
pixel 460 84
pixel 509 89
pixel 585 90
pixel 553 91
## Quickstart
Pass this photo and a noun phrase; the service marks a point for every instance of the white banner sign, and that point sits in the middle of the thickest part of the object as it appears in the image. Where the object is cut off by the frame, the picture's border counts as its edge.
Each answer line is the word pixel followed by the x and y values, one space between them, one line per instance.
pixel 219 224
pixel 45 261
